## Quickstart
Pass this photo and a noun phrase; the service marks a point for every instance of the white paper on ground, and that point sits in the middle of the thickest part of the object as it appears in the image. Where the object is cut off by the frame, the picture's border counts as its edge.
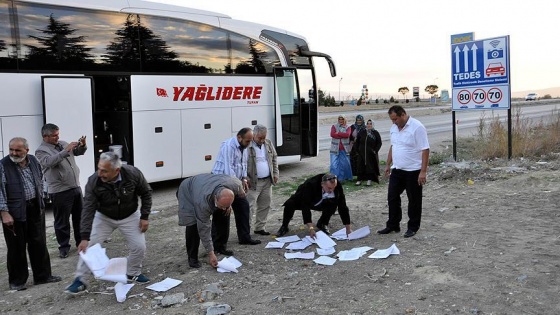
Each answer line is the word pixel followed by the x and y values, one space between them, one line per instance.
pixel 299 255
pixel 121 290
pixel 325 251
pixel 229 264
pixel 311 239
pixel 274 245
pixel 325 260
pixel 323 240
pixel 303 244
pixel 347 255
pixel 164 285
pixel 384 253
pixel 353 253
pixel 288 239
pixel 359 233
pixel 102 267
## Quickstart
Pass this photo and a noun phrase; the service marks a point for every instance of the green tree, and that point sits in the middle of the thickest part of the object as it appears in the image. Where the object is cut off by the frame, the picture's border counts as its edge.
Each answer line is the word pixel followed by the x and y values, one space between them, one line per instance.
pixel 404 90
pixel 325 100
pixel 431 89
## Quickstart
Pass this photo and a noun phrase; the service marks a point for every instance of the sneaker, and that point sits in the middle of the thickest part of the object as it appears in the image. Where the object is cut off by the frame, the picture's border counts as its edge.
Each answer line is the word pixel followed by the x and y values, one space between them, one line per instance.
pixel 368 183
pixel 139 278
pixel 358 183
pixel 76 287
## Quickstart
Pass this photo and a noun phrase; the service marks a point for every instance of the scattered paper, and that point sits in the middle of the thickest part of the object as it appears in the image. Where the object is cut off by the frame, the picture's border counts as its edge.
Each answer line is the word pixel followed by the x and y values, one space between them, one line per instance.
pixel 299 255
pixel 303 244
pixel 353 254
pixel 359 233
pixel 121 290
pixel 288 239
pixel 325 260
pixel 164 285
pixel 384 253
pixel 347 255
pixel 274 245
pixel 229 264
pixel 325 251
pixel 102 267
pixel 323 240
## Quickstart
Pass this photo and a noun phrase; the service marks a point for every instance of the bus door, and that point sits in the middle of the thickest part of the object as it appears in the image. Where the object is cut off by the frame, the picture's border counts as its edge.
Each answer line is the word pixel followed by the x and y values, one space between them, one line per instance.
pixel 67 103
pixel 296 114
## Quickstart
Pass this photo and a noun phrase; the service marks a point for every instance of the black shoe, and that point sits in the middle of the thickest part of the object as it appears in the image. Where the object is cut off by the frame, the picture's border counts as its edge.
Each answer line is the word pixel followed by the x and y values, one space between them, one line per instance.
pixel 63 253
pixel 324 228
pixel 388 230
pixel 282 230
pixel 409 233
pixel 194 263
pixel 250 242
pixel 224 251
pixel 261 232
pixel 16 287
pixel 50 279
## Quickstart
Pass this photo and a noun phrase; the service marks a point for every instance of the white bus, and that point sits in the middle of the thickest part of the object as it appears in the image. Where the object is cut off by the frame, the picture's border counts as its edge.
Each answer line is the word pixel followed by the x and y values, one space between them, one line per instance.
pixel 163 85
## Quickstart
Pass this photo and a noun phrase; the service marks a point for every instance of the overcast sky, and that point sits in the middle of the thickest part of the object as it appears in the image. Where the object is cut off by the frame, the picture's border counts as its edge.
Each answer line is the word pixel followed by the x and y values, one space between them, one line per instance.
pixel 390 44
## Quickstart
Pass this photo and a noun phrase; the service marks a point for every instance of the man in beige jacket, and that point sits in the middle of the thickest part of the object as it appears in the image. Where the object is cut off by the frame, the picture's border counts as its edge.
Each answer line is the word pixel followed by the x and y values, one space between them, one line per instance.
pixel 262 173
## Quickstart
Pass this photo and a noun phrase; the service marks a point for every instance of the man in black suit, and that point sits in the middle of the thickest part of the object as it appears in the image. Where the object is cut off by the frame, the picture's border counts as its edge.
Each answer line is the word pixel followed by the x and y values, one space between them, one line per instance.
pixel 323 193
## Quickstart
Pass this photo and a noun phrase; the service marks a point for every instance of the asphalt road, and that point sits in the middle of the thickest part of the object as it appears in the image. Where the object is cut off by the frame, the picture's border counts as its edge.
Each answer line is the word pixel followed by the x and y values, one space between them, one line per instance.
pixel 439 123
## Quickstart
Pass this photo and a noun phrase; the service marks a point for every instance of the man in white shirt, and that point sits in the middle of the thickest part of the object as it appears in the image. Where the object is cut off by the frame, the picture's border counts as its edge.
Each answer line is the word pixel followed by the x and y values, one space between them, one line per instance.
pixel 232 160
pixel 262 173
pixel 407 166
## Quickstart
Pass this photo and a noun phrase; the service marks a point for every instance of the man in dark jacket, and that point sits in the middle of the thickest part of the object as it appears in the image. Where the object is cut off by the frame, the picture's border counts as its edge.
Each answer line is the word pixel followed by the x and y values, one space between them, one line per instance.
pixel 323 193
pixel 111 202
pixel 23 217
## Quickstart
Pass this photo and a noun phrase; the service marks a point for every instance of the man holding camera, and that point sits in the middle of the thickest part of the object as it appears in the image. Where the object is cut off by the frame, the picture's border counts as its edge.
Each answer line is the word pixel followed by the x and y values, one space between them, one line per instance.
pixel 62 176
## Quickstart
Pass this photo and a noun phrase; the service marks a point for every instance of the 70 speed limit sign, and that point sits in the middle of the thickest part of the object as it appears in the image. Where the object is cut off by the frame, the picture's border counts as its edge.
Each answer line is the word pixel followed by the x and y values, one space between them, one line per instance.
pixel 492 97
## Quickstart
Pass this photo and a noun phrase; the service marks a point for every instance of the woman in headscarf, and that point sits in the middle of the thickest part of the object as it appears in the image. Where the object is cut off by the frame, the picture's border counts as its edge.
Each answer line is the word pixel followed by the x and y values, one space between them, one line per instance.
pixel 356 128
pixel 340 147
pixel 367 145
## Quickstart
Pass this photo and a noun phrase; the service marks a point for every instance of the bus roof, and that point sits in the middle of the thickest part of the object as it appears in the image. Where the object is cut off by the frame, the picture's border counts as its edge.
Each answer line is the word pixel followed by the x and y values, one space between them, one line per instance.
pixel 128 6
pixel 167 10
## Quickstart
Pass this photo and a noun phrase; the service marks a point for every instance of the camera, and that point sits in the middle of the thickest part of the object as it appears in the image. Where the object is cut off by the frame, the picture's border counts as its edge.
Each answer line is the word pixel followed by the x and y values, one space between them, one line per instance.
pixel 495 54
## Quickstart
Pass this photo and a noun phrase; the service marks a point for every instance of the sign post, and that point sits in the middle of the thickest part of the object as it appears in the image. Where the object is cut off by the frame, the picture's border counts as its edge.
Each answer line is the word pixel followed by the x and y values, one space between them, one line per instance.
pixel 480 75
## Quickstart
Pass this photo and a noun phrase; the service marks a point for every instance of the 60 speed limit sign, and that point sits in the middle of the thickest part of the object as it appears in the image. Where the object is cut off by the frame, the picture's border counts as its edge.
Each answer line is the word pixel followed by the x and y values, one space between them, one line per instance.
pixel 491 97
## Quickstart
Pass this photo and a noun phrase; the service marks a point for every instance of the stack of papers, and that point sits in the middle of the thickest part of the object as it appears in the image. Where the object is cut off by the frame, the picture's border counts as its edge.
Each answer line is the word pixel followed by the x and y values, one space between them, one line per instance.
pixel 323 240
pixel 325 260
pixel 229 264
pixel 303 244
pixel 299 255
pixel 288 239
pixel 274 245
pixel 164 285
pixel 102 267
pixel 359 233
pixel 353 254
pixel 384 253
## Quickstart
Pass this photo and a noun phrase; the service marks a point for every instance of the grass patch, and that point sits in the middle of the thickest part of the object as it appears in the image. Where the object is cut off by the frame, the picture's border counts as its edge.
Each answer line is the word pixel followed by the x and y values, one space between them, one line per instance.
pixel 529 139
